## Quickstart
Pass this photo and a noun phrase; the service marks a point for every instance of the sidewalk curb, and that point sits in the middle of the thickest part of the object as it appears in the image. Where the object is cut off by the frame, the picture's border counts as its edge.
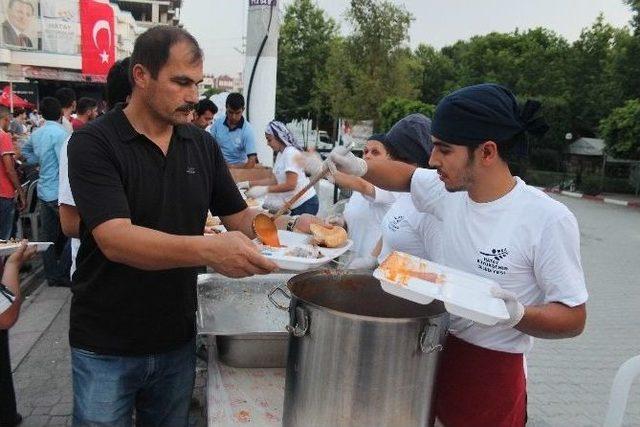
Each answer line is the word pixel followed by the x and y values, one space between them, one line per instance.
pixel 601 199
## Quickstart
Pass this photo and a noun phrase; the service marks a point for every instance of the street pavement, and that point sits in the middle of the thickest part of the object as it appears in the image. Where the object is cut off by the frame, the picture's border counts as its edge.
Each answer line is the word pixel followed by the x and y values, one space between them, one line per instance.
pixel 569 380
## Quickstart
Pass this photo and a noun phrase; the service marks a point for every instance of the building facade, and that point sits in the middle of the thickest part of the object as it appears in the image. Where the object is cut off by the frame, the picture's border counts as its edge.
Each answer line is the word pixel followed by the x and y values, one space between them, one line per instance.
pixel 41 42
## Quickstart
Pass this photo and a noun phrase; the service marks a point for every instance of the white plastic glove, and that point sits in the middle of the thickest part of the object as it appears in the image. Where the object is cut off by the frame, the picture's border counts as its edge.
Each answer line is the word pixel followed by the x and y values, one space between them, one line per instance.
pixel 363 263
pixel 311 162
pixel 347 162
pixel 243 185
pixel 335 220
pixel 514 307
pixel 257 191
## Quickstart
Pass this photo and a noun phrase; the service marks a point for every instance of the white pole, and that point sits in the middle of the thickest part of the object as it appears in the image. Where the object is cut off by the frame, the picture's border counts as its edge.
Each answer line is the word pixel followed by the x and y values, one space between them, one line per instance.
pixel 11 96
pixel 261 101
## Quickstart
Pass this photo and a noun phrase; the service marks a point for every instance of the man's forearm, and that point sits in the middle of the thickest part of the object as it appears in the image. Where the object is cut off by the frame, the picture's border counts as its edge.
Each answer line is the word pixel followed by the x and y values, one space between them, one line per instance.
pixel 148 249
pixel 553 320
pixel 389 174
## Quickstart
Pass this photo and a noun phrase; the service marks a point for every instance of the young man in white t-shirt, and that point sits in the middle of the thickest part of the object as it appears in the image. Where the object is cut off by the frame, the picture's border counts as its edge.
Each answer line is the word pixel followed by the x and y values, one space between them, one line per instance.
pixel 493 225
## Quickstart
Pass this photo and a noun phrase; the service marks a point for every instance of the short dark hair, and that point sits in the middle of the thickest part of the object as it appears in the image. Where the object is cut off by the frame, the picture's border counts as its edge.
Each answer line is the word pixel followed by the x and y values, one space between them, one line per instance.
pixel 205 105
pixel 118 86
pixel 152 48
pixel 235 101
pixel 85 104
pixel 51 108
pixel 66 96
pixel 28 3
pixel 18 111
pixel 505 148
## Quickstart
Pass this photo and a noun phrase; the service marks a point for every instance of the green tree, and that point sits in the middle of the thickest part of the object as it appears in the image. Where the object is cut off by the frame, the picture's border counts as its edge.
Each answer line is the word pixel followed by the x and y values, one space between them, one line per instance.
pixel 437 73
pixel 303 48
pixel 381 66
pixel 393 109
pixel 621 131
pixel 594 89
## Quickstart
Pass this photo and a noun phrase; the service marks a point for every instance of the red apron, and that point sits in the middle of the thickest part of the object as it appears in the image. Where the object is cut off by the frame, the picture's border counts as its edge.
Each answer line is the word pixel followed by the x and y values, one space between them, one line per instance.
pixel 477 387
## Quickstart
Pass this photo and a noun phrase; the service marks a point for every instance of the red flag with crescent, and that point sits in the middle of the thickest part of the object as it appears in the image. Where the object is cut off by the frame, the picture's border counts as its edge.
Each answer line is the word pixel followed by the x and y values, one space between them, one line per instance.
pixel 98 37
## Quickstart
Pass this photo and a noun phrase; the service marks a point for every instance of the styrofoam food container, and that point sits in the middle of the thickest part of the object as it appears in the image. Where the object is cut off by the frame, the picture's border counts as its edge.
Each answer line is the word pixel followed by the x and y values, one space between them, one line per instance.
pixel 464 294
pixel 291 239
pixel 9 249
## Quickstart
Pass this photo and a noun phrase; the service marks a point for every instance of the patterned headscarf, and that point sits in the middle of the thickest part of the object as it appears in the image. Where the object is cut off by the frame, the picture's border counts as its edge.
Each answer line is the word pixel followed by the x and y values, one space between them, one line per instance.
pixel 284 135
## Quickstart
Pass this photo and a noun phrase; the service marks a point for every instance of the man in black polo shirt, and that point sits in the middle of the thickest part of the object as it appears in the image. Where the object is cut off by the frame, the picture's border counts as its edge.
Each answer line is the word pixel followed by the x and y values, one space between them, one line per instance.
pixel 143 180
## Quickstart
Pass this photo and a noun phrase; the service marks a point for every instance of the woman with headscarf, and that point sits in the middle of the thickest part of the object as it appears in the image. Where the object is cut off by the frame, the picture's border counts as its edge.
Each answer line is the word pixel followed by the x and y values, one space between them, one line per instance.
pixel 289 174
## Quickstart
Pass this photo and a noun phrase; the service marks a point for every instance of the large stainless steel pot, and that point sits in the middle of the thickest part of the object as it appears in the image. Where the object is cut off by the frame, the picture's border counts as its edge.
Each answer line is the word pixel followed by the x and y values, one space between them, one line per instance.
pixel 357 355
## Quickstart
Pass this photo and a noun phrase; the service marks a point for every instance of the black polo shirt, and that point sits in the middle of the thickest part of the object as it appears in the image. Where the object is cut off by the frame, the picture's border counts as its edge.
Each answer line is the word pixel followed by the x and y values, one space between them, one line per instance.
pixel 116 172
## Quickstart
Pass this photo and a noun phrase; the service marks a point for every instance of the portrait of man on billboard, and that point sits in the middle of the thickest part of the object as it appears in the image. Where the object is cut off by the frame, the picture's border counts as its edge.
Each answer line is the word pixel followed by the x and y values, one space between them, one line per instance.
pixel 18 28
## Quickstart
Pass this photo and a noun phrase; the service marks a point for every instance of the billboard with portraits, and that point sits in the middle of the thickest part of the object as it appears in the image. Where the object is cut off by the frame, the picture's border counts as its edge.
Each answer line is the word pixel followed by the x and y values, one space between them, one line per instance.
pixel 20 23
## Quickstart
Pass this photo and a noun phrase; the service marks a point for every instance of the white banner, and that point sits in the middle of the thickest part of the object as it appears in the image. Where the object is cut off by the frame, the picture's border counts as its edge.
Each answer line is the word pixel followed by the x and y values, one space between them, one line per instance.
pixel 60 36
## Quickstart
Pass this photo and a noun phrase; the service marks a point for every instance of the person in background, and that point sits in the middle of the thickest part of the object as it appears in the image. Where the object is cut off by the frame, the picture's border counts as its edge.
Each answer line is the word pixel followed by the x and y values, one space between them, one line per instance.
pixel 12 194
pixel 289 175
pixel 496 226
pixel 235 135
pixel 404 228
pixel 367 205
pixel 67 98
pixel 86 111
pixel 117 90
pixel 18 125
pixel 204 113
pixel 10 300
pixel 35 119
pixel 45 144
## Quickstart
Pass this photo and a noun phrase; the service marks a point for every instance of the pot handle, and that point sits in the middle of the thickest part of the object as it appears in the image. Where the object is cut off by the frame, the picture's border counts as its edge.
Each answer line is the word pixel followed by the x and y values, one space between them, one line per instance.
pixel 301 327
pixel 430 338
pixel 276 303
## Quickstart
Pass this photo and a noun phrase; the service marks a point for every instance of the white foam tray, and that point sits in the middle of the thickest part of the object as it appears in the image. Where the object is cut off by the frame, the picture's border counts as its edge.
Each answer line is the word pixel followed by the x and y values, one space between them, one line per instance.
pixel 289 240
pixel 464 294
pixel 9 249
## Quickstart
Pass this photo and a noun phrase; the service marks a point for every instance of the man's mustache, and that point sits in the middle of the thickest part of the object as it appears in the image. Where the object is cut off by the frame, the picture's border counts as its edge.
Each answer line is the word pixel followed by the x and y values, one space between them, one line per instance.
pixel 186 108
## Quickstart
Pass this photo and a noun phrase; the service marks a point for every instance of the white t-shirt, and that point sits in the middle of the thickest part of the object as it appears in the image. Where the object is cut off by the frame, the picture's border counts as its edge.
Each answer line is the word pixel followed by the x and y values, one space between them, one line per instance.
pixel 286 162
pixel 363 216
pixel 407 230
pixel 526 241
pixel 65 197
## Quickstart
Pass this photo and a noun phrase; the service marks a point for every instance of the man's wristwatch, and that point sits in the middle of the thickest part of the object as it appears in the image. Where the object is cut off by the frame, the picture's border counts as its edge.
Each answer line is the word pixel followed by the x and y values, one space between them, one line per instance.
pixel 292 223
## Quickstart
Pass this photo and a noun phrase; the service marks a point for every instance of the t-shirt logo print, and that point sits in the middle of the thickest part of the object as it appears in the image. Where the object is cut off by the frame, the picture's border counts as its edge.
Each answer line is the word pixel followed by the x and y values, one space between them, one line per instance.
pixel 489 261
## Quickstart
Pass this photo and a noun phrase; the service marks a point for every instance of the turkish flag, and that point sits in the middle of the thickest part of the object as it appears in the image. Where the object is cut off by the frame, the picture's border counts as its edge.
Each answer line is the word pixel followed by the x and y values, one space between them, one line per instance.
pixel 98 37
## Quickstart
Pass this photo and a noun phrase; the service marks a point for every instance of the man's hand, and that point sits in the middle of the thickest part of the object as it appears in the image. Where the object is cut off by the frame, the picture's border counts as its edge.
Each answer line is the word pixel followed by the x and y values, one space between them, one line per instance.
pixel 257 191
pixel 233 254
pixel 310 161
pixel 304 221
pixel 23 254
pixel 514 307
pixel 347 162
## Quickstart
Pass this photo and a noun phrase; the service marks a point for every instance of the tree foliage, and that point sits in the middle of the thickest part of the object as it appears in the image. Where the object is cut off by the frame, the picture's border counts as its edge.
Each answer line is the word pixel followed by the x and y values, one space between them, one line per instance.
pixel 305 41
pixel 393 109
pixel 621 131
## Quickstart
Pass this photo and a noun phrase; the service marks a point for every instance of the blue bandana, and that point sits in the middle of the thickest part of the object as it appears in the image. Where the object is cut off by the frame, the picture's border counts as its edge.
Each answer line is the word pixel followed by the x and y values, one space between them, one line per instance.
pixel 485 112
